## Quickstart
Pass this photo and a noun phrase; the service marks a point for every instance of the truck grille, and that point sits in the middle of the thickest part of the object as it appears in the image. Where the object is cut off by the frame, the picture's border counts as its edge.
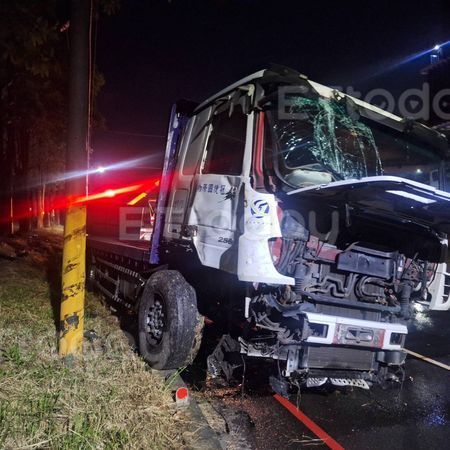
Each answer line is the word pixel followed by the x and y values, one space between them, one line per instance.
pixel 338 357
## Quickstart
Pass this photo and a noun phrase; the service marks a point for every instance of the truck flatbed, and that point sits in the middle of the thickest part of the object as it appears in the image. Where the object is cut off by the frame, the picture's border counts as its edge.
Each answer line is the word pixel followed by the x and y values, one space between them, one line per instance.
pixel 136 250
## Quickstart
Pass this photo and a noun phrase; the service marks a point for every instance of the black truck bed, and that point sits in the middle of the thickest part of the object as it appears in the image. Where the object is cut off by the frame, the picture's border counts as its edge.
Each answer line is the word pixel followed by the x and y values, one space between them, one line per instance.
pixel 137 250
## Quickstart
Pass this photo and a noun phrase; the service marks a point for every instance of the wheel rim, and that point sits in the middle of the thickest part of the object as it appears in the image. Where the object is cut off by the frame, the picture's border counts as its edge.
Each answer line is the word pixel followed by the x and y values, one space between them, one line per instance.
pixel 155 321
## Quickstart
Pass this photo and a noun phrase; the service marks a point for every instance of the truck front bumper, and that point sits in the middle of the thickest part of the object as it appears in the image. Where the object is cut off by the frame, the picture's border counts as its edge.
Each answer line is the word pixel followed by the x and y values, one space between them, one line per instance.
pixel 335 330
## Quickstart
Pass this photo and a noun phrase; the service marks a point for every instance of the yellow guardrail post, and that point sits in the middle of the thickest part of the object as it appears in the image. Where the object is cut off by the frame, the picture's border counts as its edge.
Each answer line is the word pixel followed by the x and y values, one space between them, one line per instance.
pixel 73 282
pixel 74 266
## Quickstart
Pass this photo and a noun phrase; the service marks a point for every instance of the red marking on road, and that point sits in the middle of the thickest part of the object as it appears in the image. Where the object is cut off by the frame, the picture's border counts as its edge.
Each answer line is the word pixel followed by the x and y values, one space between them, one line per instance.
pixel 321 434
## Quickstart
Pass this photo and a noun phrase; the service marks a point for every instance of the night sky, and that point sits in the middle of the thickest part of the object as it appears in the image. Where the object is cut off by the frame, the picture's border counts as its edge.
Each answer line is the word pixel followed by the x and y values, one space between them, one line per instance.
pixel 155 52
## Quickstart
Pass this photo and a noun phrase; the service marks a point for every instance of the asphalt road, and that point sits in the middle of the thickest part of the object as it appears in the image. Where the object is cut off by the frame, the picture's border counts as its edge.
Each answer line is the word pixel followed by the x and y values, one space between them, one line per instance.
pixel 413 416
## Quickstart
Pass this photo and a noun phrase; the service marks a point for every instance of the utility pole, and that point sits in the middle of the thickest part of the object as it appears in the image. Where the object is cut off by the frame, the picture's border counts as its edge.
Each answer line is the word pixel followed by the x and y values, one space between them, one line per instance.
pixel 74 250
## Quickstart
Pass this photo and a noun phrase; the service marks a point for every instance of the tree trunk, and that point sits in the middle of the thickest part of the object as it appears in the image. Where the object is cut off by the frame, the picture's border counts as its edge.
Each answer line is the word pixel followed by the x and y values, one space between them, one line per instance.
pixel 21 178
pixel 40 215
pixel 44 207
pixel 5 178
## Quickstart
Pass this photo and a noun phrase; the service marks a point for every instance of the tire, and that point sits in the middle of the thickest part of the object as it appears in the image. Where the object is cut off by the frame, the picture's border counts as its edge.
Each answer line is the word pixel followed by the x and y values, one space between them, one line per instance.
pixel 170 327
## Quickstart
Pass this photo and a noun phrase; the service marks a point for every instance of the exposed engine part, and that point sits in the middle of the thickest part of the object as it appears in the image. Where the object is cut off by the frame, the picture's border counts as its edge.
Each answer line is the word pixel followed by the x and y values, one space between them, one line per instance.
pixel 279 386
pixel 368 261
pixel 361 275
pixel 325 342
pixel 405 296
pixel 326 329
pixel 219 361
pixel 355 277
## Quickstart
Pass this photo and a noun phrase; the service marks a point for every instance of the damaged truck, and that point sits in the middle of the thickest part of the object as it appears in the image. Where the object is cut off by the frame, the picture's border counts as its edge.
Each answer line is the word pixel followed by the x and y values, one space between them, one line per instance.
pixel 303 221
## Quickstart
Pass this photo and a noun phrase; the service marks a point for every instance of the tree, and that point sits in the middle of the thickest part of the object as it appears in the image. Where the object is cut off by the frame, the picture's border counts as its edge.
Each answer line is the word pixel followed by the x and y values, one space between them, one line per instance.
pixel 34 54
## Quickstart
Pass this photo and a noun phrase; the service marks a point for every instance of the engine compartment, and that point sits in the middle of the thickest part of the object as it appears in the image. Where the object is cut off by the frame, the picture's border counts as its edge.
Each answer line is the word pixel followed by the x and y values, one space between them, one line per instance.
pixel 345 319
pixel 352 273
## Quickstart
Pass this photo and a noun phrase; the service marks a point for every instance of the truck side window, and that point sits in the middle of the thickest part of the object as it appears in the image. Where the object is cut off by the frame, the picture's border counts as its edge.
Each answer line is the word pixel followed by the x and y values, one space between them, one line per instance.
pixel 196 144
pixel 226 143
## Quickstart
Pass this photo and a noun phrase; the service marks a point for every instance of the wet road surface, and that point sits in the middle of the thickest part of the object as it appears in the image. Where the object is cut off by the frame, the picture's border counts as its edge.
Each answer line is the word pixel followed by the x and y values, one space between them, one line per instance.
pixel 413 416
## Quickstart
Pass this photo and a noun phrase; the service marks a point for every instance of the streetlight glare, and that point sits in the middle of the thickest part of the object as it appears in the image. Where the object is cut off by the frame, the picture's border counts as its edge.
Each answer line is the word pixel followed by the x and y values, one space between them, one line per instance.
pixel 101 169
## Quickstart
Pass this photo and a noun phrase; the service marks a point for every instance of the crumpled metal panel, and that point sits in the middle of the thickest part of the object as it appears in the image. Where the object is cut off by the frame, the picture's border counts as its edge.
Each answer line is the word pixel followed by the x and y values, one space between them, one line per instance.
pixel 261 223
pixel 214 213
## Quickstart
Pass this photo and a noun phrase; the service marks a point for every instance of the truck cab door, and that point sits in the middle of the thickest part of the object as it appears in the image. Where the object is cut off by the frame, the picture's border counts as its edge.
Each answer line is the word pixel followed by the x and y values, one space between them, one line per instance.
pixel 212 203
pixel 214 214
pixel 190 153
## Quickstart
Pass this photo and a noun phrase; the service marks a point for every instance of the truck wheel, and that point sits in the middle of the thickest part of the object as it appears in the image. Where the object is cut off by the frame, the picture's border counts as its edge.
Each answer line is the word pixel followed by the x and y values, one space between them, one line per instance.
pixel 170 327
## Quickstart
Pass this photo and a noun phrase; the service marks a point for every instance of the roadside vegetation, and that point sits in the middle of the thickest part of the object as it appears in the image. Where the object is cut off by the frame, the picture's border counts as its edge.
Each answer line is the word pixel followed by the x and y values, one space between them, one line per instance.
pixel 109 399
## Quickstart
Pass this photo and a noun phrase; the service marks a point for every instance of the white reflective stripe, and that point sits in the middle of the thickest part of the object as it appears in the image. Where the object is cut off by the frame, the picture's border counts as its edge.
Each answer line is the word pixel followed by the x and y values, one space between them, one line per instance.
pixel 424 188
pixel 410 196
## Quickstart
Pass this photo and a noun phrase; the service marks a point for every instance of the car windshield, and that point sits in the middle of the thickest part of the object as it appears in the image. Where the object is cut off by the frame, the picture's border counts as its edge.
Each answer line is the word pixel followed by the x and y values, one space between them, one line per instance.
pixel 318 141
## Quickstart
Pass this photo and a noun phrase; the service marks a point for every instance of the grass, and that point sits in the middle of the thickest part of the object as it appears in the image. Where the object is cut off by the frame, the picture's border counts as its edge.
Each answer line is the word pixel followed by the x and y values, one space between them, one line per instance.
pixel 108 399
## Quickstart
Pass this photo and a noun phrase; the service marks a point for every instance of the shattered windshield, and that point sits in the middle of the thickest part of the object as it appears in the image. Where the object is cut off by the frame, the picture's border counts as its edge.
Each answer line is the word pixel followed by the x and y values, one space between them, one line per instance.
pixel 318 141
